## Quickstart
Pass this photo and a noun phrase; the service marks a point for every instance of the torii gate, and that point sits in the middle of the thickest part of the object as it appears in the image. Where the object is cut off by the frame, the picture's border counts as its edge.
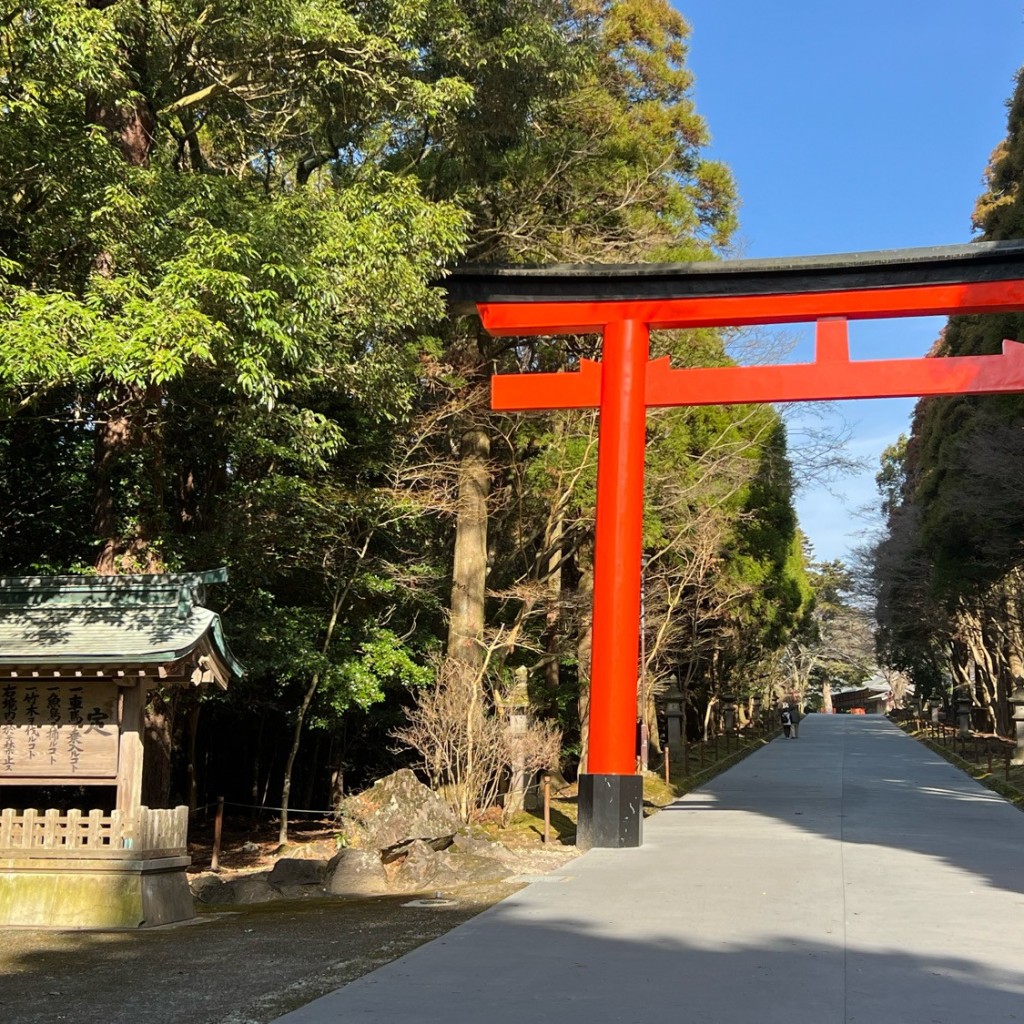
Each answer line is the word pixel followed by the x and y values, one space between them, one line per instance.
pixel 624 303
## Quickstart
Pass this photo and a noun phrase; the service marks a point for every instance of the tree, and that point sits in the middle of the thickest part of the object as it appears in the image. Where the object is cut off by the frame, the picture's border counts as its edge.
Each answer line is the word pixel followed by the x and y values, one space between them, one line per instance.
pixel 222 342
pixel 175 215
pixel 948 571
pixel 596 153
pixel 212 285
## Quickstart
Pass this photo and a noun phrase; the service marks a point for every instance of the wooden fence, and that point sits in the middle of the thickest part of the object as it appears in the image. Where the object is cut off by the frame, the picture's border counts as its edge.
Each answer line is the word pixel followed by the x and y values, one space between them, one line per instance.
pixel 94 831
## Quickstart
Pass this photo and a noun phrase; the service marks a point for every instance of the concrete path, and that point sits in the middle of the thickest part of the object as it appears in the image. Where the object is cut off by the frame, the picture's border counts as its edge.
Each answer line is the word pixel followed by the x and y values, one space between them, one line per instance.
pixel 846 877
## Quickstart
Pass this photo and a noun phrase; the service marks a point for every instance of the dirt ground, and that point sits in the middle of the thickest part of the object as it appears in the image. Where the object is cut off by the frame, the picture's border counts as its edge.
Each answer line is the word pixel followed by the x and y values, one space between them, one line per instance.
pixel 235 964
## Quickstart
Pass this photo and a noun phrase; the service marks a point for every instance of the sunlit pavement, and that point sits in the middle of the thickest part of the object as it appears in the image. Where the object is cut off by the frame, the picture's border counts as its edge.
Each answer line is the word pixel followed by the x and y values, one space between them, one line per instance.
pixel 847 876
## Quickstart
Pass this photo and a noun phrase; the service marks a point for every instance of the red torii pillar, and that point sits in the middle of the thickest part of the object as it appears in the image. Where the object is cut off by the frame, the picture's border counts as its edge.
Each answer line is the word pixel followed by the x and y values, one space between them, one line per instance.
pixel 626 382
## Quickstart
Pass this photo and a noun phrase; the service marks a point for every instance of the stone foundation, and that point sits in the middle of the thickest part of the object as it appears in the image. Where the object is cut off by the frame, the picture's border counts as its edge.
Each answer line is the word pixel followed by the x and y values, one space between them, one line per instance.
pixel 114 891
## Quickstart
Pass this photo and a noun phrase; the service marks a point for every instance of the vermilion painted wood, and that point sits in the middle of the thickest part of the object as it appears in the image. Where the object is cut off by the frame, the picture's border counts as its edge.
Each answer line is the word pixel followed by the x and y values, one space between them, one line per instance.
pixel 829 380
pixel 522 391
pixel 618 543
pixel 831 377
pixel 530 318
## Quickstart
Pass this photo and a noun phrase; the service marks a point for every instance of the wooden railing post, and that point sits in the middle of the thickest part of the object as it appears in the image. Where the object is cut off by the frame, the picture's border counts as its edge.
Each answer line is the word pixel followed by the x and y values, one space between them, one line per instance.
pixel 218 825
pixel 547 808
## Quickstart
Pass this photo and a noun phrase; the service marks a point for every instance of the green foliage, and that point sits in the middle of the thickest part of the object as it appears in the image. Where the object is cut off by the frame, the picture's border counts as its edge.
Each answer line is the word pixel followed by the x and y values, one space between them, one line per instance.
pixel 222 340
pixel 726 584
pixel 947 572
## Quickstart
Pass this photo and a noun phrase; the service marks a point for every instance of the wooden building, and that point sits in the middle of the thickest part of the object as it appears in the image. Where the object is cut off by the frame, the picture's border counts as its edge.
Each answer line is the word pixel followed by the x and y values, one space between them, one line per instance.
pixel 78 657
pixel 865 700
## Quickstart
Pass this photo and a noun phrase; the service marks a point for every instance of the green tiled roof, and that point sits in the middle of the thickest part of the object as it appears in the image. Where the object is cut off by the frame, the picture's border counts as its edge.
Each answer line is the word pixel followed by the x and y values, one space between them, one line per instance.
pixel 110 620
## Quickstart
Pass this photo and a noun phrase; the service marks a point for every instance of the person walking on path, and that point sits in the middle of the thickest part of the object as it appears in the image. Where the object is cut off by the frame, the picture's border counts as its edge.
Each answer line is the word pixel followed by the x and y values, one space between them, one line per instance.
pixel 787 720
pixel 794 718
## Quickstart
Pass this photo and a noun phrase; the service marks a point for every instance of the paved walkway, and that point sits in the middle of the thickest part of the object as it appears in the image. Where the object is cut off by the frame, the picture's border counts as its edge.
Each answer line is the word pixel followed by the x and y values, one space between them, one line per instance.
pixel 847 877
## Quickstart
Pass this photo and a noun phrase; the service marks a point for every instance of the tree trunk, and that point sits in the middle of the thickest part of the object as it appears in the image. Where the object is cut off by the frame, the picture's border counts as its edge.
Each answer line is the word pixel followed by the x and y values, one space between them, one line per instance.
pixel 553 615
pixel 709 711
pixel 293 752
pixel 127 432
pixel 309 788
pixel 338 602
pixel 650 712
pixel 469 573
pixel 1014 651
pixel 119 429
pixel 584 648
pixel 157 744
pixel 255 787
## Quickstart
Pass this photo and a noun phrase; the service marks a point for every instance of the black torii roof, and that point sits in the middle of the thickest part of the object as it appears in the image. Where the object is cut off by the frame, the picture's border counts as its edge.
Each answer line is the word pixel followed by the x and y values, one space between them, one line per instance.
pixel 596 282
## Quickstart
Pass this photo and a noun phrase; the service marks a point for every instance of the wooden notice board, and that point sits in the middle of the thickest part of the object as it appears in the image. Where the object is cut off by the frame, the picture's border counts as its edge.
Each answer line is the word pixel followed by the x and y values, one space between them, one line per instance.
pixel 60 731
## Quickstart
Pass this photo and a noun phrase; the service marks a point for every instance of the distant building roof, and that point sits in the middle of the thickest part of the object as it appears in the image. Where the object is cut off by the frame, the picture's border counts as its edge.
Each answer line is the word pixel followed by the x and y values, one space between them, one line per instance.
pixel 110 623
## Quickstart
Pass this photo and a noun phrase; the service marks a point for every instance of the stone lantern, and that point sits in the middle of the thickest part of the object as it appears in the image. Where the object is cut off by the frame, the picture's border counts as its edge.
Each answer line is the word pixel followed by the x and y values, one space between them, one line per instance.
pixel 962 703
pixel 755 710
pixel 1017 700
pixel 674 714
pixel 935 705
pixel 729 712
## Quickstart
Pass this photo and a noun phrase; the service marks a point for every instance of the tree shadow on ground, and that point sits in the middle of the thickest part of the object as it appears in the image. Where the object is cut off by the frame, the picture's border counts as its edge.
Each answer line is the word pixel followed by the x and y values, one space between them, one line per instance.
pixel 863 780
pixel 503 969
pixel 563 828
pixel 495 970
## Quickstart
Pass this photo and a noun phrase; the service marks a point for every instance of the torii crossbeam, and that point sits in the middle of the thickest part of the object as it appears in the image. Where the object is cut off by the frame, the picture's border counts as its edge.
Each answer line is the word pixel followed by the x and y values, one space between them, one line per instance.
pixel 624 304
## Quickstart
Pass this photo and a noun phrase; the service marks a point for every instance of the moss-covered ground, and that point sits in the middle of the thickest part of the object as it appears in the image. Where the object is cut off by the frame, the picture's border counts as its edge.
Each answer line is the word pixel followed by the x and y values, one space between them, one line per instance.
pixel 702 763
pixel 983 757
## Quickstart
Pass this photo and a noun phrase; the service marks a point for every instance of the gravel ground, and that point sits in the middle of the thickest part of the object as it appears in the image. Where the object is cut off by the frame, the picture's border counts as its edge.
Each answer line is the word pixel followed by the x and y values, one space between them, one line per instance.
pixel 232 965
pixel 243 965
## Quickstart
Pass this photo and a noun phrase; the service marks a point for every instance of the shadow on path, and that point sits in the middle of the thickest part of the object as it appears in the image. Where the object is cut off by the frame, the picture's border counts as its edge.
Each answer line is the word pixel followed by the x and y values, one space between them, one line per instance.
pixel 862 780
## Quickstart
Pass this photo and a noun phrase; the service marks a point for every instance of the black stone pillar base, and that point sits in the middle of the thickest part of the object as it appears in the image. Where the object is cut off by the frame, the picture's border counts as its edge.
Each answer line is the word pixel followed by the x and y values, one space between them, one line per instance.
pixel 611 811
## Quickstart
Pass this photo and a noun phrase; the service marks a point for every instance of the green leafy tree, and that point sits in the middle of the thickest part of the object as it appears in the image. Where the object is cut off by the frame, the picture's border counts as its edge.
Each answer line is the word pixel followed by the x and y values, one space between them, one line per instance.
pixel 212 284
pixel 609 167
pixel 948 570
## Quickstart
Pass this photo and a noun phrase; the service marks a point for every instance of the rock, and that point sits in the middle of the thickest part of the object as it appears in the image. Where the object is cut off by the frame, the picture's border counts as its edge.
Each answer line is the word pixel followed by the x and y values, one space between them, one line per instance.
pixel 419 869
pixel 254 889
pixel 212 889
pixel 355 873
pixel 395 811
pixel 399 850
pixel 299 892
pixel 470 869
pixel 479 847
pixel 424 868
pixel 322 849
pixel 289 871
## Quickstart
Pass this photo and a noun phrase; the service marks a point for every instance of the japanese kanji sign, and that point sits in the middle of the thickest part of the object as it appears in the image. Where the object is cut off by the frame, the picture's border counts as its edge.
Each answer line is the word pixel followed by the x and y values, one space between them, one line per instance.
pixel 58 730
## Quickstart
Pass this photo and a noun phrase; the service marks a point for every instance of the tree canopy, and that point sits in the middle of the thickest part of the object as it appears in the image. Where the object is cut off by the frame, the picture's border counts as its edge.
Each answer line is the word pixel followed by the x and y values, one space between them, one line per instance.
pixel 948 569
pixel 223 340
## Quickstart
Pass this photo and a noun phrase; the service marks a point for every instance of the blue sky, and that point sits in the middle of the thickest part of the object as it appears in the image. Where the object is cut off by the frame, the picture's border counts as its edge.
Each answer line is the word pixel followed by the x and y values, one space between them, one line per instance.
pixel 854 127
